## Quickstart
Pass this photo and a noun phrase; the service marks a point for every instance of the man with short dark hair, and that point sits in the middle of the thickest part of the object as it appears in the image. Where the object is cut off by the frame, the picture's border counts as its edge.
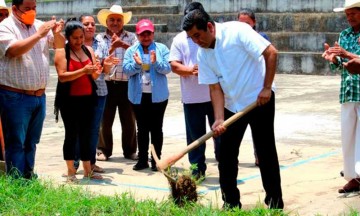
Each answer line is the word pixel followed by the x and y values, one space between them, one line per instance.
pixel 195 97
pixel 24 74
pixel 239 66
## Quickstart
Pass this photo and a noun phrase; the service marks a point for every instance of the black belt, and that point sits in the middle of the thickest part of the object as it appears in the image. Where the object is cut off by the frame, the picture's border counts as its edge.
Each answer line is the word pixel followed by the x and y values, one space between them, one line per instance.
pixel 115 81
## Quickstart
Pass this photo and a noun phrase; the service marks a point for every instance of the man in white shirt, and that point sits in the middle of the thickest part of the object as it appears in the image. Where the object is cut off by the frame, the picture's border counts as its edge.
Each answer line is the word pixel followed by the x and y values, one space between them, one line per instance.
pixel 195 97
pixel 239 66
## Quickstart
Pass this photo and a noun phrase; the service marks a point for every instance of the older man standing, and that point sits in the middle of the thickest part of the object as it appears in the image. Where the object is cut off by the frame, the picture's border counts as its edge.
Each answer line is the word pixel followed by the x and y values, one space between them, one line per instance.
pixel 24 73
pixel 347 49
pixel 115 41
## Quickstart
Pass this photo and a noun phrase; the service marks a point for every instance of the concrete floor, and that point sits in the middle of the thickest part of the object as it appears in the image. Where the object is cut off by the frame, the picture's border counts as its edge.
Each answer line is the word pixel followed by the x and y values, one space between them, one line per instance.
pixel 308 142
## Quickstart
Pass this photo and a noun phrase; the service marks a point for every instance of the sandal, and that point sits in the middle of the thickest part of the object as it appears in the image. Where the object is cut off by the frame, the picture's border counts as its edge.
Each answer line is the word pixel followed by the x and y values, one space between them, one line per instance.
pixel 96 168
pixel 93 176
pixel 72 179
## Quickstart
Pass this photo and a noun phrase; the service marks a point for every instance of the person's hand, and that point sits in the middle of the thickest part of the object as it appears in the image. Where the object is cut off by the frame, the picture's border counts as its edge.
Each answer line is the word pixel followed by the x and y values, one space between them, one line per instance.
pixel 90 68
pixel 46 27
pixel 111 60
pixel 152 56
pixel 264 96
pixel 116 42
pixel 330 53
pixel 58 27
pixel 137 58
pixel 98 67
pixel 353 66
pixel 195 70
pixel 218 127
pixel 338 51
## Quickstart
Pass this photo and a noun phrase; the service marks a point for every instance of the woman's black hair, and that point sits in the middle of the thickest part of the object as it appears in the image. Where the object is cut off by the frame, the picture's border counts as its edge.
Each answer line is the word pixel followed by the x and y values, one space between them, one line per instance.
pixel 71 26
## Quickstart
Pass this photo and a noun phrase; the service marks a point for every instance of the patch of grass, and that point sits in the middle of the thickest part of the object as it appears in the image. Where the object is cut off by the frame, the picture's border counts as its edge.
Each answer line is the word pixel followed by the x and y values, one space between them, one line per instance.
pixel 37 197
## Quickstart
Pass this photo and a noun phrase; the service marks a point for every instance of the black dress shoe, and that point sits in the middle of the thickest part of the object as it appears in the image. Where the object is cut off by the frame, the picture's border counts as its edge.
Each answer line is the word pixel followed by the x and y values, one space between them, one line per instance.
pixel 352 186
pixel 141 166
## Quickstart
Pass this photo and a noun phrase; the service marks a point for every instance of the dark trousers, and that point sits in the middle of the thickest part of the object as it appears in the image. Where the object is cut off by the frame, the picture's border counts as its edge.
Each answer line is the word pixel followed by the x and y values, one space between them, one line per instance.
pixel 117 98
pixel 77 115
pixel 149 118
pixel 261 121
pixel 195 121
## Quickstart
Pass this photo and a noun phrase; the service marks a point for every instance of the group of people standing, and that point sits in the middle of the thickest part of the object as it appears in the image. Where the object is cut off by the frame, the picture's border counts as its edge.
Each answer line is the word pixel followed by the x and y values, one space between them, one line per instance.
pixel 127 71
pixel 124 71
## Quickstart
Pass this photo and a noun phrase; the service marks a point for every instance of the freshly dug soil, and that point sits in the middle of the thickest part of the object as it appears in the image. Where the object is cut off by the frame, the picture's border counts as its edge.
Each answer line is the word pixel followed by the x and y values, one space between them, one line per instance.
pixel 183 190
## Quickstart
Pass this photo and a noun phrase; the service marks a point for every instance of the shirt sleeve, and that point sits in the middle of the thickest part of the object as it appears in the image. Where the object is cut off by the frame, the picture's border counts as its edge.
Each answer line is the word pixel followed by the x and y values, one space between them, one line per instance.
pixel 252 41
pixel 175 51
pixel 7 37
pixel 206 74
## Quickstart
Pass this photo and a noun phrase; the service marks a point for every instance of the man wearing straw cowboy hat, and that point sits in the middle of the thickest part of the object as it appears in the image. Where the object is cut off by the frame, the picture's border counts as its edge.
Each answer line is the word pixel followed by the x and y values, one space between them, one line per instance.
pixel 346 49
pixel 115 41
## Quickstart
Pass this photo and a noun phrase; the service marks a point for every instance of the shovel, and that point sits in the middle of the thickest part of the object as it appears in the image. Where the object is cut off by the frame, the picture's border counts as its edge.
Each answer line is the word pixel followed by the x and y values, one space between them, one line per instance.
pixel 167 162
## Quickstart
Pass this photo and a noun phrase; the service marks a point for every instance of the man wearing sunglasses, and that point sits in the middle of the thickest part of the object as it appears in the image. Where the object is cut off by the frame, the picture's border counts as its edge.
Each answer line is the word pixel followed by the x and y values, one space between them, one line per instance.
pixel 24 73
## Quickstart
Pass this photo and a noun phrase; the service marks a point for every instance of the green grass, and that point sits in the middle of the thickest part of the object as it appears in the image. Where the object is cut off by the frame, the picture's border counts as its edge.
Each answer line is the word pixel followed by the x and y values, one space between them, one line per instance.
pixel 38 197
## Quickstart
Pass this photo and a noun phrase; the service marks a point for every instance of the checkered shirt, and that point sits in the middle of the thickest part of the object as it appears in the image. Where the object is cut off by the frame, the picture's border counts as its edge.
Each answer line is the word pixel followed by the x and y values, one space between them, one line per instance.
pixel 103 51
pixel 350 84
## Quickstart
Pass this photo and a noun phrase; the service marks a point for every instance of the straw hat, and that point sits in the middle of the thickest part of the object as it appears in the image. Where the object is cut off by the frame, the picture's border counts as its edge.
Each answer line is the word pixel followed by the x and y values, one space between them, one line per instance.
pixel 3 6
pixel 348 4
pixel 115 9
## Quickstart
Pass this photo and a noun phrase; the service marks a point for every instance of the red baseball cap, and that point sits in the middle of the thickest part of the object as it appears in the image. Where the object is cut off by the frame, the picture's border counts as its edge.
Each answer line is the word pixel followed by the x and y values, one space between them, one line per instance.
pixel 144 25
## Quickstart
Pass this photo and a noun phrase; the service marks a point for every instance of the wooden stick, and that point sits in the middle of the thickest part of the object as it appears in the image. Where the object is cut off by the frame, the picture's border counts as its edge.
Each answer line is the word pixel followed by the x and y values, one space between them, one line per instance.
pixel 167 162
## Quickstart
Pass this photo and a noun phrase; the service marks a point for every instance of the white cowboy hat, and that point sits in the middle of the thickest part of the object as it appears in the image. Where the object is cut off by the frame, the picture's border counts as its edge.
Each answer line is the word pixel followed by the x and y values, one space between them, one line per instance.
pixel 3 6
pixel 348 4
pixel 115 9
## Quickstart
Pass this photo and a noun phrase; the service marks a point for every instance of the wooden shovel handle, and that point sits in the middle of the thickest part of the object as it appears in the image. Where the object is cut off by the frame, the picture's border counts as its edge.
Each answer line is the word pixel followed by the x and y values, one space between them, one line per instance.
pixel 226 123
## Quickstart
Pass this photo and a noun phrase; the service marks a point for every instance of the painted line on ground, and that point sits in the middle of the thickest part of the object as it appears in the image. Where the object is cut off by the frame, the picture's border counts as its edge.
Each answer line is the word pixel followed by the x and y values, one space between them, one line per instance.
pixel 212 188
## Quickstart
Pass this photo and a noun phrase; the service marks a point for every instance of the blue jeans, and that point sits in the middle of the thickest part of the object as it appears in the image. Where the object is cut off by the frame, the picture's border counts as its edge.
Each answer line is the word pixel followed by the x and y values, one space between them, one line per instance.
pixel 22 117
pixel 95 126
pixel 195 122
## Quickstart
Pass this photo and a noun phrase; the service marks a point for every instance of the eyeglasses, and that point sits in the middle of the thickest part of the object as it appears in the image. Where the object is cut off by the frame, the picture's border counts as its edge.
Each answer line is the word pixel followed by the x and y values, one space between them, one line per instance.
pixel 89 23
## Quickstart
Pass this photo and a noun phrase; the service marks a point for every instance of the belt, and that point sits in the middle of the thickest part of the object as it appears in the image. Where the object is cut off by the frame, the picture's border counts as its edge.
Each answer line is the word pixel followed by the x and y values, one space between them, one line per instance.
pixel 116 81
pixel 37 93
